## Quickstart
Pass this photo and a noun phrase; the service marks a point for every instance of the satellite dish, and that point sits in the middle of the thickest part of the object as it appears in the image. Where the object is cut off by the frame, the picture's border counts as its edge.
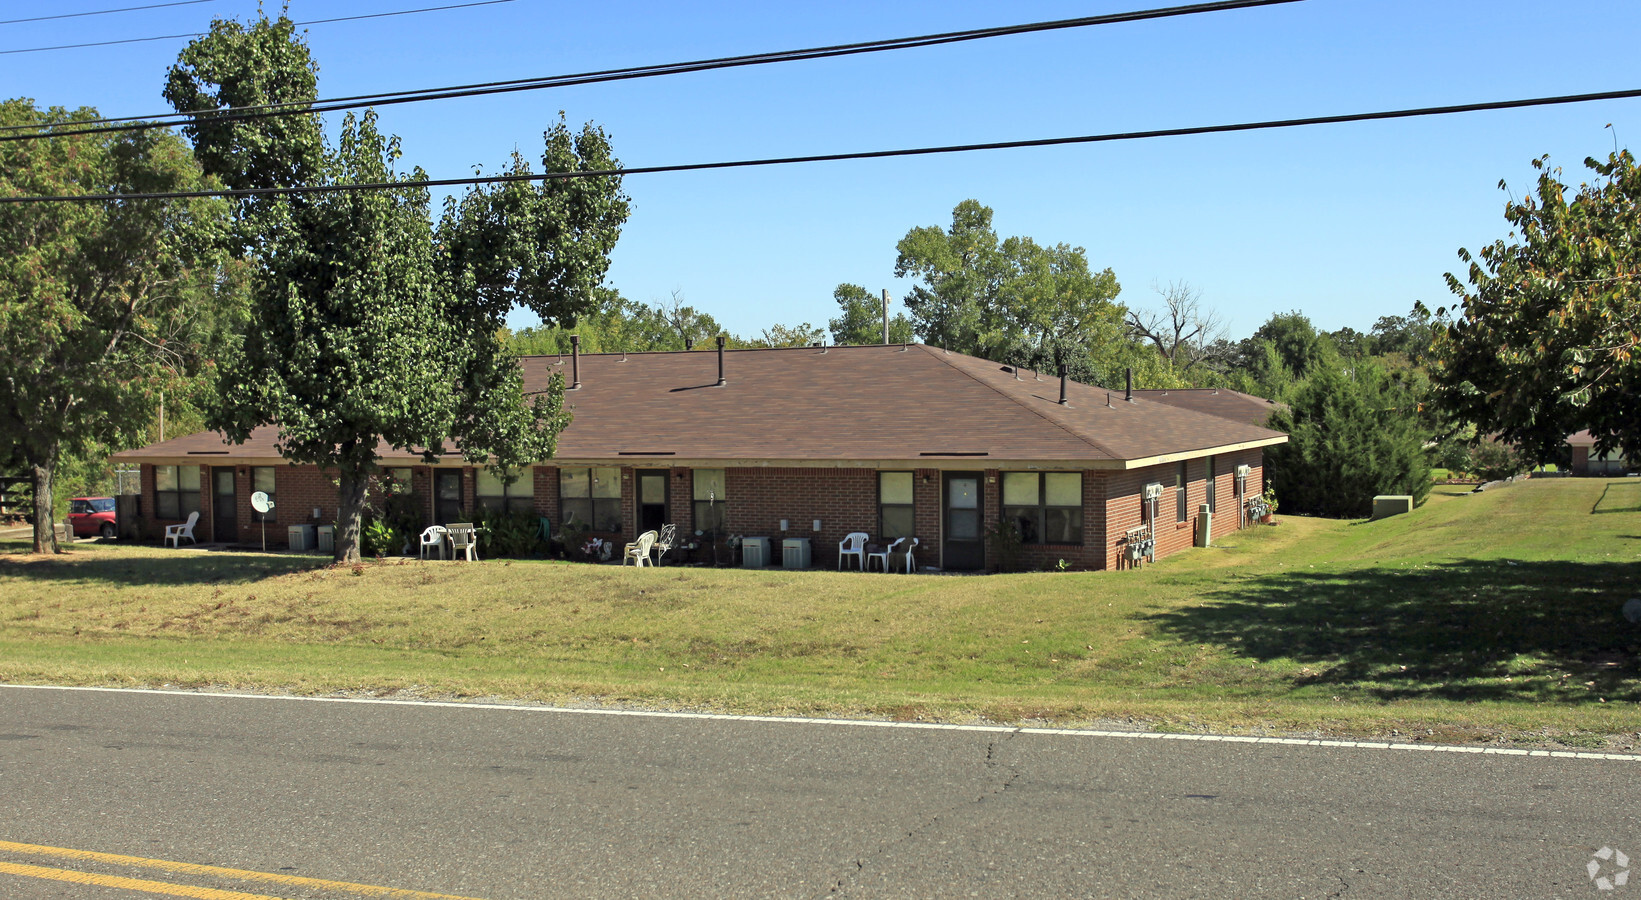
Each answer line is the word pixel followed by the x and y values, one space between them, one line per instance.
pixel 261 502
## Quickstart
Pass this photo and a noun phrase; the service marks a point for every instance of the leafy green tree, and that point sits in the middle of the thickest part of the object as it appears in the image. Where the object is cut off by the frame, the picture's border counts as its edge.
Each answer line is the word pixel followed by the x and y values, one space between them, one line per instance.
pixel 103 306
pixel 1015 301
pixel 788 336
pixel 860 318
pixel 1410 335
pixel 1350 437
pixel 370 330
pixel 1547 337
pixel 238 65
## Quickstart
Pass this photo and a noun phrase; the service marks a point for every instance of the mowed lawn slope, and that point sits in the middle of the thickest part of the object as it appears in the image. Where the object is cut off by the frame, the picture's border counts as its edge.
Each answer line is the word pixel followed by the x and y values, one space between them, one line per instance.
pixel 1475 617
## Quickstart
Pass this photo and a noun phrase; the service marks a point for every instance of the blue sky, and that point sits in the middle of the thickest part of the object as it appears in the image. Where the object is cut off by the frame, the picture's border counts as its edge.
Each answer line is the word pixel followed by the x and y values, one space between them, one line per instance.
pixel 1345 223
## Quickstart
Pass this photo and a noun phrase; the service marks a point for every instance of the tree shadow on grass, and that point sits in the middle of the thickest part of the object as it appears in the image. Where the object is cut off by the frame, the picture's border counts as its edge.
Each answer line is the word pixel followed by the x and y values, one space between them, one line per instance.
pixel 89 567
pixel 1453 631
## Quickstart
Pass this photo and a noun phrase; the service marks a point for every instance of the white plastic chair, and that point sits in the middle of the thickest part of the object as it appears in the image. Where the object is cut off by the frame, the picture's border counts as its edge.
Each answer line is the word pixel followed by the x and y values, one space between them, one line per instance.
pixel 882 556
pixel 853 544
pixel 175 533
pixel 433 536
pixel 911 561
pixel 639 551
pixel 464 538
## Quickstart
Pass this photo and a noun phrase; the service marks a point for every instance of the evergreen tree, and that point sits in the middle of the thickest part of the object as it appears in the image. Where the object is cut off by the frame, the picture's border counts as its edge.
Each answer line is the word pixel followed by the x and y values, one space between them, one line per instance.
pixel 1350 437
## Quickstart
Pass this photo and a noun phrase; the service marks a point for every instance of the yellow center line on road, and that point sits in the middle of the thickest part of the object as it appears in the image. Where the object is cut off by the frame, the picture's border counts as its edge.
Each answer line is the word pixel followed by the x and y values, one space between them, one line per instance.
pixel 130 884
pixel 182 868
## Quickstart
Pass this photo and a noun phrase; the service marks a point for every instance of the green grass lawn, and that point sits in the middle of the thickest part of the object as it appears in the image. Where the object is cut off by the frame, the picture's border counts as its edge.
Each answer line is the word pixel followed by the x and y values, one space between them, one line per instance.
pixel 1475 617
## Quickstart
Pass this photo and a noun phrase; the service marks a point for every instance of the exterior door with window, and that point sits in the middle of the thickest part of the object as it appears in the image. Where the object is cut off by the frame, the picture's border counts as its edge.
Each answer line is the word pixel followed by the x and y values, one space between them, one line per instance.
pixel 963 512
pixel 224 505
pixel 447 496
pixel 652 500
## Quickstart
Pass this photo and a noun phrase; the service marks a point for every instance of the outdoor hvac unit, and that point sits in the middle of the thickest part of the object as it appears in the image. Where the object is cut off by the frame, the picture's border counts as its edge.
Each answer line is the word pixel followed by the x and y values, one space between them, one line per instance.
pixel 1153 491
pixel 795 553
pixel 302 538
pixel 754 552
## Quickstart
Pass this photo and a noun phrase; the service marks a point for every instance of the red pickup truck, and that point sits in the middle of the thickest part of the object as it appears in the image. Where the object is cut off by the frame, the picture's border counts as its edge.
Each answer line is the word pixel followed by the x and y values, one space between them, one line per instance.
pixel 92 516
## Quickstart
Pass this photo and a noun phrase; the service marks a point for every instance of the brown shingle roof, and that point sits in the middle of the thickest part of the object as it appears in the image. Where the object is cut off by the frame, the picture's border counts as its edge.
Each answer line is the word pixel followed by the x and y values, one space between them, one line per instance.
pixel 1222 402
pixel 836 404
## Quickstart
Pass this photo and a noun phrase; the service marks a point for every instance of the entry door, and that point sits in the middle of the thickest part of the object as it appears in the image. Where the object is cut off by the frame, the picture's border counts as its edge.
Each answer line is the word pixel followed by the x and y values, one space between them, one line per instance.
pixel 652 500
pixel 224 505
pixel 963 513
pixel 447 496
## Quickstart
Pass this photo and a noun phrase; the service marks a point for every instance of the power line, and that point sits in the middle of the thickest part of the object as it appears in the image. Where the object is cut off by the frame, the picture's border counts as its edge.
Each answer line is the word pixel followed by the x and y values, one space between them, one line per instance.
pixel 102 12
pixel 836 157
pixel 169 37
pixel 552 81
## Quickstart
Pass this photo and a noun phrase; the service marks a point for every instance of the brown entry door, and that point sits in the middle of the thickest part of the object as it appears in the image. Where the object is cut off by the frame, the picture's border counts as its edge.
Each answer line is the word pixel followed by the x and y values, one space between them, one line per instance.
pixel 962 512
pixel 224 505
pixel 652 500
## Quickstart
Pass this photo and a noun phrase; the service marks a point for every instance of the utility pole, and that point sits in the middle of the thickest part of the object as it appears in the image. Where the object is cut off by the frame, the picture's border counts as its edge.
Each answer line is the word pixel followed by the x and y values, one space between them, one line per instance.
pixel 885 317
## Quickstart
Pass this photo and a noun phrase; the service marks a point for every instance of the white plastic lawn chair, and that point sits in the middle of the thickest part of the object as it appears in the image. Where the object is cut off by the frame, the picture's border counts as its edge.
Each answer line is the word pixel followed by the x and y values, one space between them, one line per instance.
pixel 881 557
pixel 464 538
pixel 433 536
pixel 853 544
pixel 911 561
pixel 175 533
pixel 639 551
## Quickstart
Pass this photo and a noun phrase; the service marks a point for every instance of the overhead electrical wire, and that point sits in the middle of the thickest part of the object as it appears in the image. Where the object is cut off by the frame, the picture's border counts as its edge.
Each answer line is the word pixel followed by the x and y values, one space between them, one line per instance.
pixel 101 12
pixel 231 114
pixel 835 157
pixel 193 34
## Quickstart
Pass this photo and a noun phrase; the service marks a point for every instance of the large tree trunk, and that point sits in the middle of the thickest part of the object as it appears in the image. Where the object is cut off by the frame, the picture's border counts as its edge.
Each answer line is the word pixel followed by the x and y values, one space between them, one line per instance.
pixel 350 514
pixel 45 535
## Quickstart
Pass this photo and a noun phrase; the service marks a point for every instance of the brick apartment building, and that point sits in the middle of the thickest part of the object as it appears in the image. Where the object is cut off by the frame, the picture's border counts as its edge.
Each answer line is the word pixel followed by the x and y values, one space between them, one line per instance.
pixel 811 442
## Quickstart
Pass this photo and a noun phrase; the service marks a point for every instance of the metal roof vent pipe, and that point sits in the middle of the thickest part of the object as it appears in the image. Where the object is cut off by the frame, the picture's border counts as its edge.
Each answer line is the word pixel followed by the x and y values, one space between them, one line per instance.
pixel 720 360
pixel 1063 384
pixel 1129 393
pixel 575 361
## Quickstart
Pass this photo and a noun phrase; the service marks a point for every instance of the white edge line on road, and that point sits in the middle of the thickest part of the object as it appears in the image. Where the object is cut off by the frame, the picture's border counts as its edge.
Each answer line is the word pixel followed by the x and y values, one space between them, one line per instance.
pixel 858 723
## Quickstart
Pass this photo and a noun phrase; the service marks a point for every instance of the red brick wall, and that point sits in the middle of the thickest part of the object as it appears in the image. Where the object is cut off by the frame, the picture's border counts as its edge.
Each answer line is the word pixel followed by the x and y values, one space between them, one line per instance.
pixel 844 500
pixel 1124 506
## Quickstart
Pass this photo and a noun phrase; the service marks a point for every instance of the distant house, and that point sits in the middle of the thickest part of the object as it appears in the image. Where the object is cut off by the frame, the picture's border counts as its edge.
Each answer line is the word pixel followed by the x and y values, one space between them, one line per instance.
pixel 1587 462
pixel 812 442
pixel 1222 402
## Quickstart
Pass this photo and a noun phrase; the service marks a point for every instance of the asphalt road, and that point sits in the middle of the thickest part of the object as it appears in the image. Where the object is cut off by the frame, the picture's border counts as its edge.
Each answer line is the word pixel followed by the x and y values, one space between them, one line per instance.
pixel 498 803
